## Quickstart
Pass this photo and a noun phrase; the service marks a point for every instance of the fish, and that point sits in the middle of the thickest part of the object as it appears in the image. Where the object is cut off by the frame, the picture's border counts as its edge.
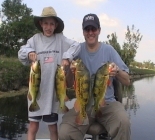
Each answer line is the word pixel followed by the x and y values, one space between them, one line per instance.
pixel 34 84
pixel 81 85
pixel 60 86
pixel 101 82
pixel 70 91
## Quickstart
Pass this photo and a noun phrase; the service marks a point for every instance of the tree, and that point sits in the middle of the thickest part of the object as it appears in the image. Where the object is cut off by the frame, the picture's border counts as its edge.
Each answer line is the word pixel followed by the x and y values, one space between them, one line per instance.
pixel 17 26
pixel 113 41
pixel 148 64
pixel 131 44
pixel 129 47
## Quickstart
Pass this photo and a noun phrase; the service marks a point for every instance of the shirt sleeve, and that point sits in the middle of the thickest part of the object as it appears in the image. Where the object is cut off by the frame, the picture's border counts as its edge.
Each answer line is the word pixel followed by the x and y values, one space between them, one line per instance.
pixel 74 48
pixel 118 60
pixel 25 50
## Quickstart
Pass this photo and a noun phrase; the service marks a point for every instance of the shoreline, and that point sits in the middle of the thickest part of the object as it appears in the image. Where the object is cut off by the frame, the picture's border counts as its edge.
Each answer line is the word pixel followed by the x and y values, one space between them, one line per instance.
pixel 138 76
pixel 13 93
pixel 23 90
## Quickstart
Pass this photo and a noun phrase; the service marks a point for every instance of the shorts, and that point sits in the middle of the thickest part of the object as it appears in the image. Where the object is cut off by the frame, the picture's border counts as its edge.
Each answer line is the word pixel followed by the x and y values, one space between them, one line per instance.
pixel 49 119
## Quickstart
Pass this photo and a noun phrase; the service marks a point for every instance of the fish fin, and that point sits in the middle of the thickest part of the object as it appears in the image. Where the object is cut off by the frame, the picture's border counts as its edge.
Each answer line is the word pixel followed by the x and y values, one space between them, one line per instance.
pixel 74 85
pixel 29 96
pixel 93 112
pixel 66 99
pixel 31 78
pixel 80 120
pixel 38 96
pixel 109 82
pixel 99 112
pixel 63 110
pixel 102 103
pixel 34 107
pixel 77 106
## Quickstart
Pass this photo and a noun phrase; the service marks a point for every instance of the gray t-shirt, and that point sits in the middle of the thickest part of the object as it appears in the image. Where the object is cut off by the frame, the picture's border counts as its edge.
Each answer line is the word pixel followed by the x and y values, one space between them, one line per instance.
pixel 50 51
pixel 105 53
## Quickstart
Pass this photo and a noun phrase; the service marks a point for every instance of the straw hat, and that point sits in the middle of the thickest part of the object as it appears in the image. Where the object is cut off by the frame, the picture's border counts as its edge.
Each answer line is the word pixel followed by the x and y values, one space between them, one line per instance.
pixel 49 12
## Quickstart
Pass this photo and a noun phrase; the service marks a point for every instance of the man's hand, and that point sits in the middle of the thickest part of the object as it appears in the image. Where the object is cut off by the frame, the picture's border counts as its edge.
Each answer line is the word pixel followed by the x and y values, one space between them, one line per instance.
pixel 32 56
pixel 72 66
pixel 65 62
pixel 113 69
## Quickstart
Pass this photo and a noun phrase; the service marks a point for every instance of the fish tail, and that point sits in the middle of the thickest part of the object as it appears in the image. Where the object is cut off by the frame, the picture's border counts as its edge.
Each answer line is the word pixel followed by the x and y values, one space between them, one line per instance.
pixel 63 109
pixel 77 106
pixel 29 96
pixel 34 107
pixel 82 120
pixel 102 103
pixel 93 112
pixel 99 114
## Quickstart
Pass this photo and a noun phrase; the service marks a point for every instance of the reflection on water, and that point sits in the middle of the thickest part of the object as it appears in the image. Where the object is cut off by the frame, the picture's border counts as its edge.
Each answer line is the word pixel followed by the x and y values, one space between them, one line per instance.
pixel 138 100
pixel 13 117
pixel 130 99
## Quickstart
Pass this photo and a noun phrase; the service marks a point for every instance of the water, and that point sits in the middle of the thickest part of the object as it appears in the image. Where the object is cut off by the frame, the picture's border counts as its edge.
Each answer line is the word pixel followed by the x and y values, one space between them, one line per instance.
pixel 141 109
pixel 138 99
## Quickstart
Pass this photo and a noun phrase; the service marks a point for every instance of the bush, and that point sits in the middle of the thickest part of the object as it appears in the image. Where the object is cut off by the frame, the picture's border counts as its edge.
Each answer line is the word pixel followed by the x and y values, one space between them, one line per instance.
pixel 138 71
pixel 13 74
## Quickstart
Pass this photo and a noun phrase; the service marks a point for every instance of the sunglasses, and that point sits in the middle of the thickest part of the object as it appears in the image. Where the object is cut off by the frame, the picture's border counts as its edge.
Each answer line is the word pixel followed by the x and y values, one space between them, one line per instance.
pixel 90 28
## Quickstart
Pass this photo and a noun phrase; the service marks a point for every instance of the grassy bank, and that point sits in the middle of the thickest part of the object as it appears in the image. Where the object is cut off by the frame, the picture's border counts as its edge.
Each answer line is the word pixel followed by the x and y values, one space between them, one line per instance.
pixel 13 74
pixel 137 71
pixel 12 93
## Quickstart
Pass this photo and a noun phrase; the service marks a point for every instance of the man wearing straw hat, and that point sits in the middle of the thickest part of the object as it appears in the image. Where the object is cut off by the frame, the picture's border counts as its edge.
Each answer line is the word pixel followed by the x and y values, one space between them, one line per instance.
pixel 51 47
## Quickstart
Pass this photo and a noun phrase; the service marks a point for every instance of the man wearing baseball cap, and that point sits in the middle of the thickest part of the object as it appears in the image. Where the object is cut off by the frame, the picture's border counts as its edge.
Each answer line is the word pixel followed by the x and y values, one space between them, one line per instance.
pixel 114 118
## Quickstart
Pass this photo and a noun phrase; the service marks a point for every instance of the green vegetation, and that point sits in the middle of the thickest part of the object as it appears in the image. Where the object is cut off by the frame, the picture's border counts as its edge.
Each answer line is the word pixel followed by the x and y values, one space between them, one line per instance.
pixel 13 74
pixel 138 71
pixel 143 65
pixel 16 28
pixel 129 48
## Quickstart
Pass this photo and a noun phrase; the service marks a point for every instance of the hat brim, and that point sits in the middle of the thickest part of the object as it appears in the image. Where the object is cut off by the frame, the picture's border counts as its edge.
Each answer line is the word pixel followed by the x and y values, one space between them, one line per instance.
pixel 89 23
pixel 59 28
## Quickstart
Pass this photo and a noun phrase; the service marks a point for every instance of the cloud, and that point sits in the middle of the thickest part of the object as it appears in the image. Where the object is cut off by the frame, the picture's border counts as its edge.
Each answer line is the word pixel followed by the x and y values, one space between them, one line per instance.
pixel 111 25
pixel 107 21
pixel 88 3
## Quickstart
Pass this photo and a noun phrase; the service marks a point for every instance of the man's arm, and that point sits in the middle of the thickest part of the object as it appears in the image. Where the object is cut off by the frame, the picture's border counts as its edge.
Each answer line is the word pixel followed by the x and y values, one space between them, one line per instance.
pixel 72 51
pixel 123 77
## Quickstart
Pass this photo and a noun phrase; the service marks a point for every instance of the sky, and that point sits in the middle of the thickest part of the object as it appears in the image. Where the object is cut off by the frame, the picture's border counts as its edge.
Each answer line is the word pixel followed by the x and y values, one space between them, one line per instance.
pixel 114 15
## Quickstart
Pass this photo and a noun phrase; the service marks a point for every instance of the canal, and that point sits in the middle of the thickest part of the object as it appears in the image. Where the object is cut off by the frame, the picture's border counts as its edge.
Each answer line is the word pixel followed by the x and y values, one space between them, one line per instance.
pixel 138 100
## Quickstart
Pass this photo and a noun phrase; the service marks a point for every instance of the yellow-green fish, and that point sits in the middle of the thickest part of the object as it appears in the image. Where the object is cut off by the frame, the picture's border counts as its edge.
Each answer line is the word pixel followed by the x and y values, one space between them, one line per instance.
pixel 60 86
pixel 82 80
pixel 101 82
pixel 34 84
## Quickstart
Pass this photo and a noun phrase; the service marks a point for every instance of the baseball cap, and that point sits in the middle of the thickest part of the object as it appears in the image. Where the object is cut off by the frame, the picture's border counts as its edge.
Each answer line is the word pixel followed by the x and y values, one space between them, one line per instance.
pixel 91 19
